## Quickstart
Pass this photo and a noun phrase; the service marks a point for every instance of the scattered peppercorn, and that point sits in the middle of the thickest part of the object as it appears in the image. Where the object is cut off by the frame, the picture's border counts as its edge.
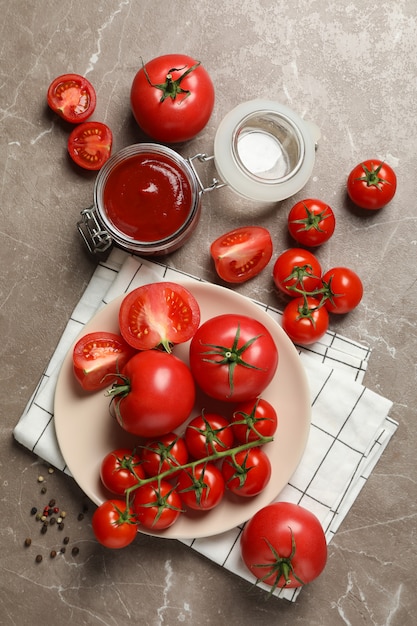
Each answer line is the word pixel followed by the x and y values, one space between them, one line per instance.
pixel 50 470
pixel 52 502
pixel 40 479
pixel 43 490
pixel 28 541
pixel 33 510
pixel 44 529
pixel 52 521
pixel 63 550
pixel 38 558
pixel 52 554
pixel 61 526
pixel 66 540
pixel 75 551
pixel 80 517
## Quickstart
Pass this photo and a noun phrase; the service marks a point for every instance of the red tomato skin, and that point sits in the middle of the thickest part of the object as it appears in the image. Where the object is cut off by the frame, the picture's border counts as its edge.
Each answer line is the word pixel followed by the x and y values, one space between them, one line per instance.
pixel 372 184
pixel 211 494
pixel 159 313
pixel 302 330
pixel 213 377
pixel 106 528
pixel 173 120
pixel 199 444
pixel 147 516
pixel 96 356
pixel 347 288
pixel 164 453
pixel 252 419
pixel 116 475
pixel 311 222
pixel 285 265
pixel 257 477
pixel 161 396
pixel 72 97
pixel 241 253
pixel 90 145
pixel 274 523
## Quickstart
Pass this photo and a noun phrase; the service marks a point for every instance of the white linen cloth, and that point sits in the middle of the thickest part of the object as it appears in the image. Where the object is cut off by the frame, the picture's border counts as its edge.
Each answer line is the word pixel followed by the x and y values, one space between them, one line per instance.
pixel 350 423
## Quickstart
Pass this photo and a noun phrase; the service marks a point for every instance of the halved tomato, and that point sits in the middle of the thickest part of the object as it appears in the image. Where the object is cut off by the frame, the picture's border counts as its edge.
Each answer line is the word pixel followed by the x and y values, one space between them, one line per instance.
pixel 89 145
pixel 73 97
pixel 158 314
pixel 98 357
pixel 241 253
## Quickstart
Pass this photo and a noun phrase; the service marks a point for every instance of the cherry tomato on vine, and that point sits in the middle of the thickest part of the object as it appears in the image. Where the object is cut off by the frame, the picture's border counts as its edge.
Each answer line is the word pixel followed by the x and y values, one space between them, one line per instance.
pixel 114 524
pixel 254 419
pixel 161 313
pixel 345 289
pixel 202 487
pixel 311 222
pixel 208 433
pixel 284 545
pixel 163 454
pixel 247 473
pixel 155 394
pixel 172 98
pixel 157 505
pixel 90 144
pixel 241 253
pixel 98 357
pixel 120 469
pixel 297 268
pixel 372 184
pixel 233 357
pixel 304 320
pixel 73 97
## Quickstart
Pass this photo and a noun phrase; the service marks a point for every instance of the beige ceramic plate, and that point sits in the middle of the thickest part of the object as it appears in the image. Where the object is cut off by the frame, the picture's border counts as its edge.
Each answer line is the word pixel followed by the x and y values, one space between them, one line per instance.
pixel 86 432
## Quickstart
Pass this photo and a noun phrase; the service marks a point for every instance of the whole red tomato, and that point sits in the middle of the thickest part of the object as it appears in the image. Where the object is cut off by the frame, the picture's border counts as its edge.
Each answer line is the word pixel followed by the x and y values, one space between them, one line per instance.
pixel 120 469
pixel 172 98
pixel 297 268
pixel 241 253
pixel 372 184
pixel 344 289
pixel 202 487
pixel 157 505
pixel 114 524
pixel 208 433
pixel 164 454
pixel 247 473
pixel 305 320
pixel 254 419
pixel 284 545
pixel 233 357
pixel 311 222
pixel 155 394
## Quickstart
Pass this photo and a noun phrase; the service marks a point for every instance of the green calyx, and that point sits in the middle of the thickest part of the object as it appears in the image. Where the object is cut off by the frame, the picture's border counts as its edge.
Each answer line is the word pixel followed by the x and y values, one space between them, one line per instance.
pixel 371 176
pixel 311 220
pixel 240 470
pixel 172 88
pixel 281 567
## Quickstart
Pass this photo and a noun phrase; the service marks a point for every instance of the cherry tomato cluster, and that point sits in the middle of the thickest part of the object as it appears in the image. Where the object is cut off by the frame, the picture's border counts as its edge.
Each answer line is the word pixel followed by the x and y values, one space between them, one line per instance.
pixel 74 99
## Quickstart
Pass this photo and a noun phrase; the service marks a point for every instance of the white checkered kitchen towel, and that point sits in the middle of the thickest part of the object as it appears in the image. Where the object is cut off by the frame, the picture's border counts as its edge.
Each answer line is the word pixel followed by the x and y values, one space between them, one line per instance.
pixel 350 423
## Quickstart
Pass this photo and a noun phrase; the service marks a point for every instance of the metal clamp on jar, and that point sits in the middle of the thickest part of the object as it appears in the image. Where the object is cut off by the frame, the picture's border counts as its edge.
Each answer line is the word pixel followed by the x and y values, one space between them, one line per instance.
pixel 147 198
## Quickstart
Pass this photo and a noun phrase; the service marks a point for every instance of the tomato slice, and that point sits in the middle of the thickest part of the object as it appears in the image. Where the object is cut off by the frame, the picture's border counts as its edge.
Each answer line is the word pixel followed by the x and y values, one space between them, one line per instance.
pixel 73 97
pixel 98 355
pixel 89 145
pixel 156 314
pixel 241 253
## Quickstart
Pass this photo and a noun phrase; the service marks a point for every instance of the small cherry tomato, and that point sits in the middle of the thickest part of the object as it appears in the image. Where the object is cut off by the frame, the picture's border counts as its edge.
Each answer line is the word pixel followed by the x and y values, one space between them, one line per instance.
pixel 157 505
pixel 89 145
pixel 73 97
pixel 241 253
pixel 304 320
pixel 344 289
pixel 201 488
pixel 297 268
pixel 247 473
pixel 120 469
pixel 372 184
pixel 254 419
pixel 208 433
pixel 163 454
pixel 114 524
pixel 311 222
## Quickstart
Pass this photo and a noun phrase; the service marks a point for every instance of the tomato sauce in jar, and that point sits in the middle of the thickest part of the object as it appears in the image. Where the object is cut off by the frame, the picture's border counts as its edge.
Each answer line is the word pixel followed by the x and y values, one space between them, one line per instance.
pixel 147 197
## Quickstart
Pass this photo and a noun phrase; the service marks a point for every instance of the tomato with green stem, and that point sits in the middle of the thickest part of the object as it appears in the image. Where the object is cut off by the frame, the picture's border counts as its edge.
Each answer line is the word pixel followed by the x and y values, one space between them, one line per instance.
pixel 158 314
pixel 157 505
pixel 72 97
pixel 311 222
pixel 343 289
pixel 172 97
pixel 207 433
pixel 90 145
pixel 163 454
pixel 372 184
pixel 254 419
pixel 201 487
pixel 247 472
pixel 120 469
pixel 284 545
pixel 305 320
pixel 114 524
pixel 297 270
pixel 242 253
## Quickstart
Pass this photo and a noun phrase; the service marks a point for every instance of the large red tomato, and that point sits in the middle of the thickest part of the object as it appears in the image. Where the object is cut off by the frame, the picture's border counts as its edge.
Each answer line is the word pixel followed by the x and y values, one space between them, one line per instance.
pixel 233 357
pixel 172 97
